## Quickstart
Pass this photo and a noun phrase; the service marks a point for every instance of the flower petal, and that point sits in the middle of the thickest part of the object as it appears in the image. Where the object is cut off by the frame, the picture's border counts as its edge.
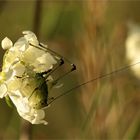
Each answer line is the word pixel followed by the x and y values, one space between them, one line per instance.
pixel 3 90
pixel 30 37
pixel 18 69
pixel 25 111
pixel 6 43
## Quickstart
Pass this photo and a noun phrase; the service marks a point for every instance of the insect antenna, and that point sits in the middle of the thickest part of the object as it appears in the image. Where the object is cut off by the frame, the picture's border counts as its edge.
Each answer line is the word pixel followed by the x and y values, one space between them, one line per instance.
pixel 94 79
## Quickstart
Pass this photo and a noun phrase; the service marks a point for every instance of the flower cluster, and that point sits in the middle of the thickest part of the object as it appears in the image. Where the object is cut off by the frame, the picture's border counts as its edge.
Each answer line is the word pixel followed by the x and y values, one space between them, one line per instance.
pixel 19 80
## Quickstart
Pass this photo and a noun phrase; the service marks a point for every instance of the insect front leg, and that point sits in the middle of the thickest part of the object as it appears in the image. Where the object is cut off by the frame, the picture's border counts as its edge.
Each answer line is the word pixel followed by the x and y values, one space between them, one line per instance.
pixel 73 66
pixel 52 70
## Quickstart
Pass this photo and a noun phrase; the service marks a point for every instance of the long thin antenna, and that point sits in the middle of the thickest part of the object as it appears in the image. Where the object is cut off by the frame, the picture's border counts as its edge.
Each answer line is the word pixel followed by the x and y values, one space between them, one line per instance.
pixel 94 79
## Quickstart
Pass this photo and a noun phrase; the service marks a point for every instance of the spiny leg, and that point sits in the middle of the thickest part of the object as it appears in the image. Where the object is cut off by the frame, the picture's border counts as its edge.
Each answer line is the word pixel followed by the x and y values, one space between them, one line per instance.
pixel 63 75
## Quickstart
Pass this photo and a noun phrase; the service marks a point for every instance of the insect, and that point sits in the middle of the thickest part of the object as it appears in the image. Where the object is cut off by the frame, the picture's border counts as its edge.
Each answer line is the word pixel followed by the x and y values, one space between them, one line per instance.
pixel 26 78
pixel 26 75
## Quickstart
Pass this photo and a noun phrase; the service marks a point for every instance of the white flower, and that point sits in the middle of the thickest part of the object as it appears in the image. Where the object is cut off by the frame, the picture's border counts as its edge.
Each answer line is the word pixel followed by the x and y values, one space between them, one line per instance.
pixel 19 79
pixel 39 59
pixel 133 47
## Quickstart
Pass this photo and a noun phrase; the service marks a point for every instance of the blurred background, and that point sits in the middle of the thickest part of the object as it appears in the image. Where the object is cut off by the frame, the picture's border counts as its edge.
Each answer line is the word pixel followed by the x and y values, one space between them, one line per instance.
pixel 92 34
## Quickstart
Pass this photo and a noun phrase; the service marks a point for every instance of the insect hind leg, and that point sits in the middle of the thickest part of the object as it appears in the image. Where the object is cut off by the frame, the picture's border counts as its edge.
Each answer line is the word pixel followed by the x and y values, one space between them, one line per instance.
pixel 65 74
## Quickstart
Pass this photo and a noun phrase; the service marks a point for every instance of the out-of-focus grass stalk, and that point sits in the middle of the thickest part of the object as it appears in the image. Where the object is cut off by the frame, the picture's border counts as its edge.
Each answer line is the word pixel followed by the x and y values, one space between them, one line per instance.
pixel 26 130
pixel 37 16
pixel 90 45
pixel 91 115
pixel 92 60
pixel 133 129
